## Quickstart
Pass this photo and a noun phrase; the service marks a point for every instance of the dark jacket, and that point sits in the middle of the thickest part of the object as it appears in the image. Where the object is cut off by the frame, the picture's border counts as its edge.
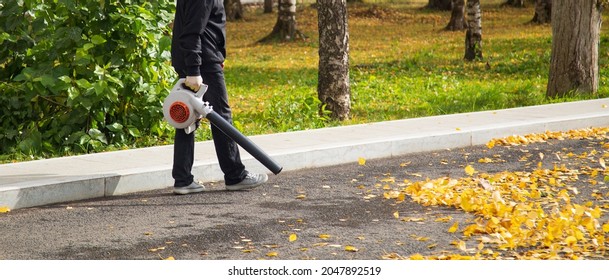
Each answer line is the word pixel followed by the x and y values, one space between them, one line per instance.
pixel 199 37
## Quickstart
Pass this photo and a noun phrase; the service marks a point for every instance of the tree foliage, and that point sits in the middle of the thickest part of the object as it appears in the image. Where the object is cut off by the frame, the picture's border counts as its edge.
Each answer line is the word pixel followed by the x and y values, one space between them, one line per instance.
pixel 82 76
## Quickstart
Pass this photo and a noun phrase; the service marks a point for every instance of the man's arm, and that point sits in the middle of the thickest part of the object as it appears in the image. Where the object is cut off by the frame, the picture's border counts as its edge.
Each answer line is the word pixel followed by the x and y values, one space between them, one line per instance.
pixel 195 17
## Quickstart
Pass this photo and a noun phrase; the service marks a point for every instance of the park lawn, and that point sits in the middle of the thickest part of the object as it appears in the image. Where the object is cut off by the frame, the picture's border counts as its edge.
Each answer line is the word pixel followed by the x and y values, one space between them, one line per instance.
pixel 402 65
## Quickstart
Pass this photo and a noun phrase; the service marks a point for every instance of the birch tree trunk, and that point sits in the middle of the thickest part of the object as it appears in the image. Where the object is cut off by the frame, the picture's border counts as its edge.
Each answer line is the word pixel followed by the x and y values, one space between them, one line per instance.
pixel 234 9
pixel 473 36
pixel 543 12
pixel 515 3
pixel 457 16
pixel 268 6
pixel 576 28
pixel 285 28
pixel 333 87
pixel 442 5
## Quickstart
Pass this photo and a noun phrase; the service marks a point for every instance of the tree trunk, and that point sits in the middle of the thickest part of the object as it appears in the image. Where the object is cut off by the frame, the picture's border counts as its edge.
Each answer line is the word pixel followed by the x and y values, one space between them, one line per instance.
pixel 233 9
pixel 473 36
pixel 543 12
pixel 515 3
pixel 576 28
pixel 285 28
pixel 268 6
pixel 333 86
pixel 442 5
pixel 457 16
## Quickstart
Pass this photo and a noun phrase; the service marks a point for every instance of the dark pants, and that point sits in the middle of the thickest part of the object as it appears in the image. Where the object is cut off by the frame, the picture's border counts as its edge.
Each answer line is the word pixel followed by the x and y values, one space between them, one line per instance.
pixel 227 150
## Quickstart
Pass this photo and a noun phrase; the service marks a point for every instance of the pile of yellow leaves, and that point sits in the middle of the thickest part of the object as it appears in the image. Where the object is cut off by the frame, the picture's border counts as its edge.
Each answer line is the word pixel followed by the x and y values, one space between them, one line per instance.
pixel 530 215
pixel 587 133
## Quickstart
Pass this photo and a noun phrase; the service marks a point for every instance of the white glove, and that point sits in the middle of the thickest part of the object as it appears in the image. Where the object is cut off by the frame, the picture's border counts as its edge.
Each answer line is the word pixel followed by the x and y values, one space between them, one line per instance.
pixel 194 82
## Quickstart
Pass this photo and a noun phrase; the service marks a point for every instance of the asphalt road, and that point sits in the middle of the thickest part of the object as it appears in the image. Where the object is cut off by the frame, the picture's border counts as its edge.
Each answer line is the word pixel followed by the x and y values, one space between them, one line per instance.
pixel 331 213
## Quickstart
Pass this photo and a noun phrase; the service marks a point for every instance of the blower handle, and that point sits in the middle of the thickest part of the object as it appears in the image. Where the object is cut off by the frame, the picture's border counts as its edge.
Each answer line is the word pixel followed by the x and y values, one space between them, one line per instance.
pixel 243 141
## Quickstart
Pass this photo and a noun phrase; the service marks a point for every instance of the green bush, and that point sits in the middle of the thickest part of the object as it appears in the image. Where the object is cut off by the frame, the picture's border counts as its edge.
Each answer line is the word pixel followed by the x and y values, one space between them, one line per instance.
pixel 83 76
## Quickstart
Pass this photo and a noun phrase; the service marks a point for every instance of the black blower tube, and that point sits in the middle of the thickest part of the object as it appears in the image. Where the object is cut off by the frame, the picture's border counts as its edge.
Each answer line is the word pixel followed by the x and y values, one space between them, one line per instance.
pixel 243 141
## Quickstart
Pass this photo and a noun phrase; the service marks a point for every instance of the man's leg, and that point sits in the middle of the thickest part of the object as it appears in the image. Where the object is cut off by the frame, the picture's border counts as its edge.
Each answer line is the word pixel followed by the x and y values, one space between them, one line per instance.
pixel 183 158
pixel 227 150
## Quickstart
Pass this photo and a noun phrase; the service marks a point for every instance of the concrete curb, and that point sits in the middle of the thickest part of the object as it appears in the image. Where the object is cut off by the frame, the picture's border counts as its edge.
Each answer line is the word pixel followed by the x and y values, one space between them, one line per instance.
pixel 43 182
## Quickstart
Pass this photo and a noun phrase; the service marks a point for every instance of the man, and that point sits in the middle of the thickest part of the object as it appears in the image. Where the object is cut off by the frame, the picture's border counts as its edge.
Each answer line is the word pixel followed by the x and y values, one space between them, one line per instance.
pixel 198 50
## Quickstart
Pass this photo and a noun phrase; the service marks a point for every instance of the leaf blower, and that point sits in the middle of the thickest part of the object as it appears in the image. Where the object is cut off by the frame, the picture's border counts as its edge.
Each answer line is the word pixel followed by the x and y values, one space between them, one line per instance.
pixel 183 107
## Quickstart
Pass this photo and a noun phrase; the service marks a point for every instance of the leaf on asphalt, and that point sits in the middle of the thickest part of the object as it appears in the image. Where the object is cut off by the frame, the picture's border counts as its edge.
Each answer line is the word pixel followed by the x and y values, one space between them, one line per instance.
pixel 350 248
pixel 324 236
pixel 412 219
pixel 170 258
pixel 444 219
pixel 469 170
pixel 454 227
pixel 301 196
pixel 4 209
pixel 156 249
pixel 272 254
pixel 602 163
pixel 292 237
pixel 396 214
pixel 361 161
pixel 462 246
pixel 388 180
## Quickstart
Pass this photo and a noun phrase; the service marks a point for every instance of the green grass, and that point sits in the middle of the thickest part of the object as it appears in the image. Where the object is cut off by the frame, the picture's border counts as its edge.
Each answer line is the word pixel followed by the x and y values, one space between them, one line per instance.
pixel 402 65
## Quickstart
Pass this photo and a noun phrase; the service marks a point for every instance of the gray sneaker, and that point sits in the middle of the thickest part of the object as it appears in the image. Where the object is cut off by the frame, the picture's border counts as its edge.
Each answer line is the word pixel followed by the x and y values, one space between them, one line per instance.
pixel 192 188
pixel 251 181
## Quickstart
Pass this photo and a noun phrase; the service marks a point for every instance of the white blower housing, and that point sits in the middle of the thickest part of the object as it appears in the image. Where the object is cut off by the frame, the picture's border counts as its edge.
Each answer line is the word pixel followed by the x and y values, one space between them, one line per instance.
pixel 183 107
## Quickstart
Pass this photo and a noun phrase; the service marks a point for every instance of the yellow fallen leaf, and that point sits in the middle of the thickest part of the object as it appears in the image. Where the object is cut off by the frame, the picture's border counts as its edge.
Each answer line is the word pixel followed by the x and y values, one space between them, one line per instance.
pixel 412 219
pixel 490 144
pixel 602 162
pixel 361 161
pixel 396 214
pixel 156 249
pixel 461 245
pixel 571 240
pixel 324 236
pixel 272 254
pixel 301 196
pixel 444 219
pixel 4 209
pixel 454 227
pixel 606 227
pixel 469 170
pixel 350 248
pixel 170 258
pixel 292 237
